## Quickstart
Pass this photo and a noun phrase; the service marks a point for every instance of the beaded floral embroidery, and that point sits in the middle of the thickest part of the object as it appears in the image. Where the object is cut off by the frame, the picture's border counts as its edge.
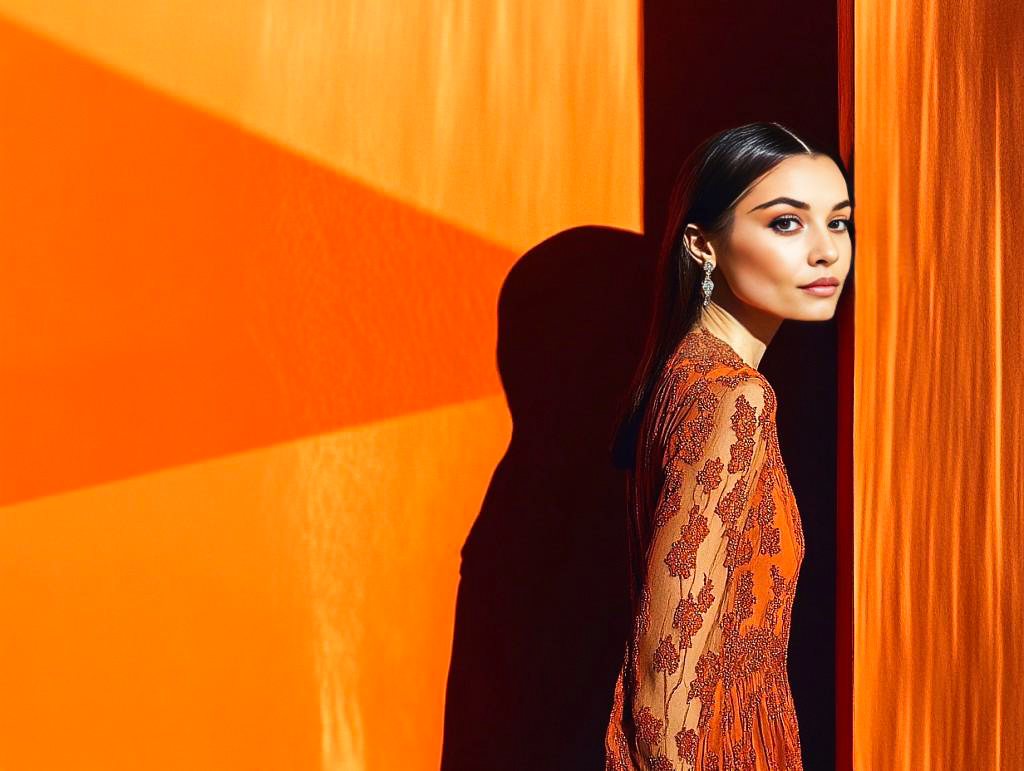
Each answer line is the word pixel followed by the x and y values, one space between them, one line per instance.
pixel 716 547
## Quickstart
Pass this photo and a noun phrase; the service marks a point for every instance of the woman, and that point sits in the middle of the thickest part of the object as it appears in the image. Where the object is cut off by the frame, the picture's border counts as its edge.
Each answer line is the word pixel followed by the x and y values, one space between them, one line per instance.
pixel 759 231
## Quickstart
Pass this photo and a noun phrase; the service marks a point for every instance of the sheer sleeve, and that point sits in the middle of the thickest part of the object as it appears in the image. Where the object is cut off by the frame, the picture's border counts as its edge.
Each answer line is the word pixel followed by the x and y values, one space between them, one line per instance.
pixel 711 461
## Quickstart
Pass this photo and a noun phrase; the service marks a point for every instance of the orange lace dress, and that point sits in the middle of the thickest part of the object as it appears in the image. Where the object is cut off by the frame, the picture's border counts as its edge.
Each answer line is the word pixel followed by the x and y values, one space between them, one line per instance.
pixel 715 545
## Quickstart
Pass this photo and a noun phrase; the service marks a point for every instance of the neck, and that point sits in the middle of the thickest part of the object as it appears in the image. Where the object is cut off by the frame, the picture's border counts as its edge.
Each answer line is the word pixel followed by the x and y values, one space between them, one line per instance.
pixel 719 322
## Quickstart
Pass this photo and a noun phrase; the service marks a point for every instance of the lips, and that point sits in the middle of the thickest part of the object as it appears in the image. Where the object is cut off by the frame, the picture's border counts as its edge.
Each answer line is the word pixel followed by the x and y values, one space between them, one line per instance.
pixel 822 282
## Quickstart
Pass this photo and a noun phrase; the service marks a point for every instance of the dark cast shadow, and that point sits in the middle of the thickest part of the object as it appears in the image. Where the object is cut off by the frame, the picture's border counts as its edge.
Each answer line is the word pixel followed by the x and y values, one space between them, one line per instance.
pixel 542 606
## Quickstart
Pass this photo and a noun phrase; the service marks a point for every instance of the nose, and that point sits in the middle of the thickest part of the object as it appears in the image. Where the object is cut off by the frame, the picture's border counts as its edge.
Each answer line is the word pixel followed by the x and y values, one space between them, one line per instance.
pixel 824 250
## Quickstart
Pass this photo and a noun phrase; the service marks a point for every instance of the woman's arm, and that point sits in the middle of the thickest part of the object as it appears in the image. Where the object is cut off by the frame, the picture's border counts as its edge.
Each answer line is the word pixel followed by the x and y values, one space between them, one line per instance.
pixel 711 463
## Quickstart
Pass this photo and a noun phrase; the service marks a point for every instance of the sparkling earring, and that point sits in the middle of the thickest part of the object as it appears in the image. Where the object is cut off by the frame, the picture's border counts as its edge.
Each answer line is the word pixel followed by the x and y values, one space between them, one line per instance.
pixel 708 284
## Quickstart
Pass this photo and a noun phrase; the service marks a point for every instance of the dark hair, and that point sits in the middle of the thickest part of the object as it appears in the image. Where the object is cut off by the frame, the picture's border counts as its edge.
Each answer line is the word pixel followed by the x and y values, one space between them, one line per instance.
pixel 712 178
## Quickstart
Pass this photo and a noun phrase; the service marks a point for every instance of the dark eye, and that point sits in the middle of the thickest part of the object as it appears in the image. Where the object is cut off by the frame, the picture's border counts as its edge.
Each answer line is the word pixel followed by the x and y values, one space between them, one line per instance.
pixel 778 221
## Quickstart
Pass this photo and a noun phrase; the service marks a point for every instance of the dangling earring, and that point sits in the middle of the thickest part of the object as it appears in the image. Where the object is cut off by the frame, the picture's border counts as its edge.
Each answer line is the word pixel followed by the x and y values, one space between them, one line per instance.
pixel 708 284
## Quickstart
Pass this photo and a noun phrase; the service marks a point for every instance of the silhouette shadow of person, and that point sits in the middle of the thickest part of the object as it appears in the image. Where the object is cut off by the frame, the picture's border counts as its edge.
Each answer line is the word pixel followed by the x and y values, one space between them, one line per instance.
pixel 543 566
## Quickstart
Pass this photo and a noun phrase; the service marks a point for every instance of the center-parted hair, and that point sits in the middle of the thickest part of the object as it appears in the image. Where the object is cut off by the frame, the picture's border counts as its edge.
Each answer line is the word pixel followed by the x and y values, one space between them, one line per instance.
pixel 714 176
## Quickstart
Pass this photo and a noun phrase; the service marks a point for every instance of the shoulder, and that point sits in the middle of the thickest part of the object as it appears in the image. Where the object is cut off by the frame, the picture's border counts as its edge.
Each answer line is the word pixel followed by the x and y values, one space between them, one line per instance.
pixel 749 388
pixel 735 405
pixel 701 350
pixel 702 358
pixel 719 410
pixel 698 389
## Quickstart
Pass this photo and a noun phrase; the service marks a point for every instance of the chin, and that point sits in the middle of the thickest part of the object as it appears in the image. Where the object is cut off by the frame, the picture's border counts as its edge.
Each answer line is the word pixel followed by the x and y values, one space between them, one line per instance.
pixel 824 312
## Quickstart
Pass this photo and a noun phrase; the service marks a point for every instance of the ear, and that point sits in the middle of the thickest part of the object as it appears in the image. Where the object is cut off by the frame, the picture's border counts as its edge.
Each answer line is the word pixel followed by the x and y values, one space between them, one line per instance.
pixel 696 243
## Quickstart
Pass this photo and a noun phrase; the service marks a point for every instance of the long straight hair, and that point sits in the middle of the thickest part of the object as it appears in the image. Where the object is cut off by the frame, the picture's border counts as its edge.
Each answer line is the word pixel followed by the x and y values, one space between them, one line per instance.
pixel 714 176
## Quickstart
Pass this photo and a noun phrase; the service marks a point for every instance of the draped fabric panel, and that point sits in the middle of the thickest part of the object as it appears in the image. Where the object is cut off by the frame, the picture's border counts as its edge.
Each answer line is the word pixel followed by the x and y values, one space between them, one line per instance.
pixel 939 404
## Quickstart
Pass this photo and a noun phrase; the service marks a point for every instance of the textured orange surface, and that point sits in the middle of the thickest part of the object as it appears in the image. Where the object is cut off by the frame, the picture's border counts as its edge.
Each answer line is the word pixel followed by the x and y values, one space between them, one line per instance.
pixel 249 388
pixel 939 407
pixel 447 106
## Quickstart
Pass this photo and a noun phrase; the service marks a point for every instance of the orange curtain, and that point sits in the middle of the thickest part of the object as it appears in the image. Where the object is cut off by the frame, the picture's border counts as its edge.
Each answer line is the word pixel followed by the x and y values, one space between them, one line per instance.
pixel 939 407
pixel 251 256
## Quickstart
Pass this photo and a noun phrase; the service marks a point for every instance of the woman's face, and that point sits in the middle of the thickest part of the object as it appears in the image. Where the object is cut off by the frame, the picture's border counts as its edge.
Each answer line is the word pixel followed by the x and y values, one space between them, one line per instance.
pixel 790 228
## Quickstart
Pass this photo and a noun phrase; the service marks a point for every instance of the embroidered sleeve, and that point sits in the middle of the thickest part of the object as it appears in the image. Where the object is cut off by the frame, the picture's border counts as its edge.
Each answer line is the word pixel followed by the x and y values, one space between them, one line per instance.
pixel 688 599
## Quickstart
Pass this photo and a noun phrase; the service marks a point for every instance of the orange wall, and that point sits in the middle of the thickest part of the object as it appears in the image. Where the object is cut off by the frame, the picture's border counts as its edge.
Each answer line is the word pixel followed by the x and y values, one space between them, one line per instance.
pixel 939 407
pixel 247 322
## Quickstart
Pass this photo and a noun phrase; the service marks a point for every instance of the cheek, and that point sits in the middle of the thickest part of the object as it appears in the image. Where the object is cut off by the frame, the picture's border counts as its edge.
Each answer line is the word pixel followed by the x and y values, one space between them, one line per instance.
pixel 764 265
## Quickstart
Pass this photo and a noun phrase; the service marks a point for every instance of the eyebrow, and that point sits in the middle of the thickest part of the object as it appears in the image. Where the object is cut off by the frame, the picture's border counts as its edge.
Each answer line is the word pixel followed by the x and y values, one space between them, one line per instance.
pixel 794 202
